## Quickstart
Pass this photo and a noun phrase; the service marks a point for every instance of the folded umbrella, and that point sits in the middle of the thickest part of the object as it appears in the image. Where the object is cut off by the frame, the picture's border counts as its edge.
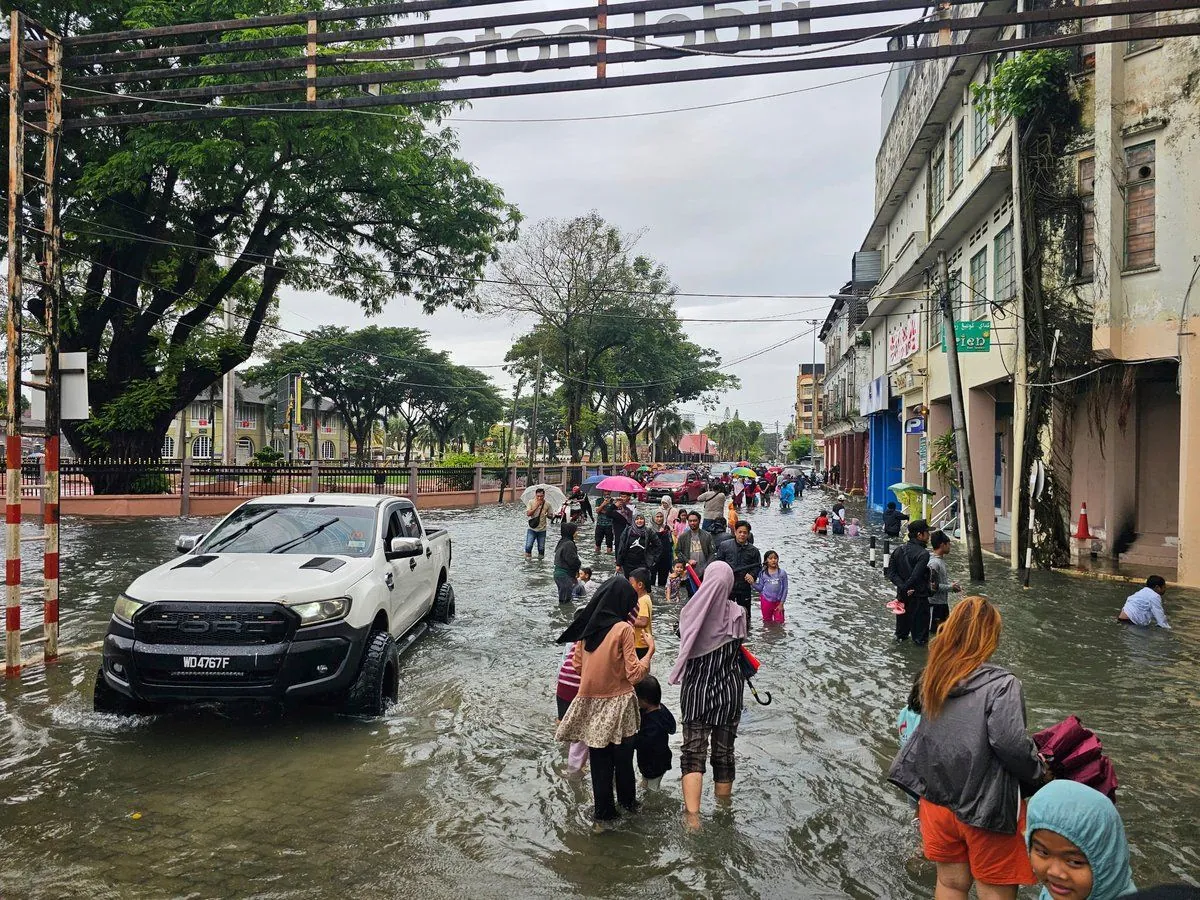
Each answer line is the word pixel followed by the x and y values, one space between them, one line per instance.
pixel 1074 752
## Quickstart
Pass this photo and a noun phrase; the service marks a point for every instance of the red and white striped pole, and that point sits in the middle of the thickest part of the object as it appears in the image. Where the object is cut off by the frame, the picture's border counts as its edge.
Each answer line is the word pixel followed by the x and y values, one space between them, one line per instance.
pixel 50 564
pixel 12 556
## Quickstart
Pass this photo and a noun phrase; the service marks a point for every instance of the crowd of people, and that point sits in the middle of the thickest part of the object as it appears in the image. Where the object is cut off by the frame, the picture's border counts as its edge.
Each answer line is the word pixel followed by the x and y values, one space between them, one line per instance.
pixel 992 820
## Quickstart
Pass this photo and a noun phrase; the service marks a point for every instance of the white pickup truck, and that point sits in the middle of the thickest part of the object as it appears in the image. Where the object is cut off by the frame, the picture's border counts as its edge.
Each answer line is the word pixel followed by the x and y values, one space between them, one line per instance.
pixel 300 597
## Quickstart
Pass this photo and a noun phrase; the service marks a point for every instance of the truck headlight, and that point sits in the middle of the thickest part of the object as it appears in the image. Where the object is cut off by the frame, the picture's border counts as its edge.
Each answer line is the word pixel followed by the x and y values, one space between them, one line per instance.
pixel 322 610
pixel 126 607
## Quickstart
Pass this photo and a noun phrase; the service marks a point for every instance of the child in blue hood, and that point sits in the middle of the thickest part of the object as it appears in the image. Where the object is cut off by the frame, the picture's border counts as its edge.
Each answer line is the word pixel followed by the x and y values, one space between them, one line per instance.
pixel 1077 844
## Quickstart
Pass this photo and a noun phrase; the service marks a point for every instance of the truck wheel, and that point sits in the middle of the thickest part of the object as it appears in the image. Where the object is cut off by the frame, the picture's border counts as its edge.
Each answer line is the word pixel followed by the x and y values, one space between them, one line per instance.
pixel 443 604
pixel 113 703
pixel 378 682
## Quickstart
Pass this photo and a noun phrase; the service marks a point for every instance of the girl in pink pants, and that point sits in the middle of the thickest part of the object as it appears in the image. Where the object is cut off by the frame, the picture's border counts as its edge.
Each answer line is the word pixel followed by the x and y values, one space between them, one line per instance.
pixel 772 587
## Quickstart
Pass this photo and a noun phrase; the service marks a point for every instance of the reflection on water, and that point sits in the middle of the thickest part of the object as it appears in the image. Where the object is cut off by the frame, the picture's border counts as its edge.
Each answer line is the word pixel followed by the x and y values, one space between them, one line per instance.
pixel 460 790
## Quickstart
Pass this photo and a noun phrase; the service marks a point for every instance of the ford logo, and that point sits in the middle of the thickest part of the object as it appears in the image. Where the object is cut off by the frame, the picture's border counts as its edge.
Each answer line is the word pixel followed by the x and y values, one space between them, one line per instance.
pixel 227 626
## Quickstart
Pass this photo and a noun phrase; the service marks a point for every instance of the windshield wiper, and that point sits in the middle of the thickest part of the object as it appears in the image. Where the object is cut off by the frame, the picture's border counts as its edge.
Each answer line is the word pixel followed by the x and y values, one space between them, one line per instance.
pixel 237 533
pixel 299 539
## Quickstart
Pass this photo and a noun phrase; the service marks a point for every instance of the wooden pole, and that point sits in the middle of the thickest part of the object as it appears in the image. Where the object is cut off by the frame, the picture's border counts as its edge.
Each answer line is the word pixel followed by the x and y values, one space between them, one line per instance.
pixel 51 294
pixel 12 432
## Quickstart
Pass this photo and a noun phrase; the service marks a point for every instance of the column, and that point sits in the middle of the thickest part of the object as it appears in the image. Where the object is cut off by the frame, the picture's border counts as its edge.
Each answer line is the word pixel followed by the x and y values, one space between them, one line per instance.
pixel 1189 451
pixel 981 436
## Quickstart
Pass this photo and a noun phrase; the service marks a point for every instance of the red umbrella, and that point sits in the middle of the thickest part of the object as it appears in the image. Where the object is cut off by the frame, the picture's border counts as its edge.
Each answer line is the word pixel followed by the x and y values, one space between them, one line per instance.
pixel 631 466
pixel 743 463
pixel 621 484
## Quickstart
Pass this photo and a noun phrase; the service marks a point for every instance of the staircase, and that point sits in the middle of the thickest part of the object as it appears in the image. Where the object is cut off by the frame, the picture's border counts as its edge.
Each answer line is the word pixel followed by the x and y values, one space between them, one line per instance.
pixel 1153 551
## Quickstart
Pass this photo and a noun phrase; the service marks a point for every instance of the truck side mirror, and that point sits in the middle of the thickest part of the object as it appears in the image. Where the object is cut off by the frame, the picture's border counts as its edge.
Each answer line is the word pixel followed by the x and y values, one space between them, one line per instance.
pixel 186 543
pixel 404 547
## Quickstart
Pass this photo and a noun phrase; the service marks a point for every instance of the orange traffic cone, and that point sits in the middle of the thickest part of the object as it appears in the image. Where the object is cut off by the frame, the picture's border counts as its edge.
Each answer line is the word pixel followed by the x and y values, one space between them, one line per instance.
pixel 1082 531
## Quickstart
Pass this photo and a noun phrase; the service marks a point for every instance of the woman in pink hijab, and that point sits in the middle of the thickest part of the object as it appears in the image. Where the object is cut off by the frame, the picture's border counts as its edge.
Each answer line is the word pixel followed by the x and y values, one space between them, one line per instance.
pixel 711 630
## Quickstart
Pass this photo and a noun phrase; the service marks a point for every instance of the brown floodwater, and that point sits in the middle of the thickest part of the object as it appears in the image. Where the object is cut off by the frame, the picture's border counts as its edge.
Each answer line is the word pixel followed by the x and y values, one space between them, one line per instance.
pixel 460 791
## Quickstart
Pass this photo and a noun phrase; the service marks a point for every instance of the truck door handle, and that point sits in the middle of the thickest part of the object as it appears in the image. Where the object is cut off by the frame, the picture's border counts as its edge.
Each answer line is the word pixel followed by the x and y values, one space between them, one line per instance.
pixel 412 563
pixel 390 582
pixel 429 551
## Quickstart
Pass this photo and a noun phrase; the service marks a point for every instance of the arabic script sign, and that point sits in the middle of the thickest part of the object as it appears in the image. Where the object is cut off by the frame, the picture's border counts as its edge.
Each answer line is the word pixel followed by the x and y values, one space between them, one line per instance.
pixel 904 340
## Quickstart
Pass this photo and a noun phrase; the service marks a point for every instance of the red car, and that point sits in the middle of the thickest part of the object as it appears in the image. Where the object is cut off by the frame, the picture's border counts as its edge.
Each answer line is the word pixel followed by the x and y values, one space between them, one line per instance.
pixel 681 485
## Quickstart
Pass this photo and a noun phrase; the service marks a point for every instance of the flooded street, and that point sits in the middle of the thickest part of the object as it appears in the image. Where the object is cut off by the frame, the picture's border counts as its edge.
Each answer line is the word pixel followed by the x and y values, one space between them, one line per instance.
pixel 459 791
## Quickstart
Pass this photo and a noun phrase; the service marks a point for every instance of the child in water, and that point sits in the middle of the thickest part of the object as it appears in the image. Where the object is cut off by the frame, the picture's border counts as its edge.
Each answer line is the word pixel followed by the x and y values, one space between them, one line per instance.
pixel 644 613
pixel 852 529
pixel 584 587
pixel 909 718
pixel 772 588
pixel 652 742
pixel 564 692
pixel 821 523
pixel 678 589
pixel 1076 842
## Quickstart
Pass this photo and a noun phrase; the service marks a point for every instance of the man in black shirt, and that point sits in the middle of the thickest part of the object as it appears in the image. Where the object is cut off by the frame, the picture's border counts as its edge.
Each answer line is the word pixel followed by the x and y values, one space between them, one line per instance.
pixel 909 572
pixel 745 560
pixel 892 518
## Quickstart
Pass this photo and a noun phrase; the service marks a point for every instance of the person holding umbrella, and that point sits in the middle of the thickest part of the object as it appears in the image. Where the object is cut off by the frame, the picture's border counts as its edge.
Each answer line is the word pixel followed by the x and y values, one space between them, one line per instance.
pixel 711 630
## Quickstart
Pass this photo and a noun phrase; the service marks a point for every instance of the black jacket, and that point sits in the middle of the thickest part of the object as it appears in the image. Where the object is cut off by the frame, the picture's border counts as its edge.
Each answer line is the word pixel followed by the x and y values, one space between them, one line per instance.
pixel 891 522
pixel 637 548
pixel 744 559
pixel 566 557
pixel 652 742
pixel 909 571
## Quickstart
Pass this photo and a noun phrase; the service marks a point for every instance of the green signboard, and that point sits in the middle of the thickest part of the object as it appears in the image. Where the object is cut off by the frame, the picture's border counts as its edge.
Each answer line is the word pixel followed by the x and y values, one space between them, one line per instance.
pixel 971 337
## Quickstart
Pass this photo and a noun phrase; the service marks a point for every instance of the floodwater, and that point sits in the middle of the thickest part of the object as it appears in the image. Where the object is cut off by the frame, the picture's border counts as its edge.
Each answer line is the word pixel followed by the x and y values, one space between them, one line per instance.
pixel 459 791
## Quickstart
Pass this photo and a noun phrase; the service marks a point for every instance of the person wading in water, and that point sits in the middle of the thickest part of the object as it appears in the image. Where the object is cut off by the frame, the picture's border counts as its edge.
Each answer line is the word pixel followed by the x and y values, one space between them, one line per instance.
pixel 605 713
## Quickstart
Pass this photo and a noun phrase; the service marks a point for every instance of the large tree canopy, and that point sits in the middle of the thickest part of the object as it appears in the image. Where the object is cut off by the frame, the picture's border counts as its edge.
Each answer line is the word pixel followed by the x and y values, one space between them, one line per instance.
pixel 168 225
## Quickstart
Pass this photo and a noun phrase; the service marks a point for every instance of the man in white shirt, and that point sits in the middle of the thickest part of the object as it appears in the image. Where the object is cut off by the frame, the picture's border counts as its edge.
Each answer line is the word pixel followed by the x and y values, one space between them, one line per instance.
pixel 1145 607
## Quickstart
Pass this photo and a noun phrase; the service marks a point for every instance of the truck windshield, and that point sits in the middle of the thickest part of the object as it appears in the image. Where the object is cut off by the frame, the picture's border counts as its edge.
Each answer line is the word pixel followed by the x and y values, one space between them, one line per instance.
pixel 672 478
pixel 290 528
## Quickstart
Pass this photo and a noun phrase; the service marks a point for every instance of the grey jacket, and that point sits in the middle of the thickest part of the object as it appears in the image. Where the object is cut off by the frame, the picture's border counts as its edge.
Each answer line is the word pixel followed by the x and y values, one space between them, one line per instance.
pixel 975 756
pixel 683 547
pixel 714 504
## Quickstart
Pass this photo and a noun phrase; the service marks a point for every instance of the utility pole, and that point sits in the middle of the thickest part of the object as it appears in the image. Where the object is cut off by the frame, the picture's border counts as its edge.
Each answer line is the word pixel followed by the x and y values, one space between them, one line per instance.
pixel 958 416
pixel 512 430
pixel 12 492
pixel 228 401
pixel 533 425
pixel 813 391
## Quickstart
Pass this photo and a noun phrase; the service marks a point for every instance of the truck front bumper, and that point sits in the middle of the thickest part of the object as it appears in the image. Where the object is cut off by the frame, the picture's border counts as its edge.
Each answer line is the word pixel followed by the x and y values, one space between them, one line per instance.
pixel 320 660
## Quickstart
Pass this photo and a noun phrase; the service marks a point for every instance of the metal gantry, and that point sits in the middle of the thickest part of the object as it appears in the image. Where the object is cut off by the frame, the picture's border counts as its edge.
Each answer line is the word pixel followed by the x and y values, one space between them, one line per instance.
pixel 121 79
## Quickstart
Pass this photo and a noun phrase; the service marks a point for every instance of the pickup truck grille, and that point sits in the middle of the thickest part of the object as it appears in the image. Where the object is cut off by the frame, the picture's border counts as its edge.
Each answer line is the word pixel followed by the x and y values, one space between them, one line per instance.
pixel 211 624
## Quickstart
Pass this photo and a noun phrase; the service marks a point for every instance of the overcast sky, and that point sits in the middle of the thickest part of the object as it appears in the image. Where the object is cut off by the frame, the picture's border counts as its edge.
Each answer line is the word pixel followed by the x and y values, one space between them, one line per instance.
pixel 767 197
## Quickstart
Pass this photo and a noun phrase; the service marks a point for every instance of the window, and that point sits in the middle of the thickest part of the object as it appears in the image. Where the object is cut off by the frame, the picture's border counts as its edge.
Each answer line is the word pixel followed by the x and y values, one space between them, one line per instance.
pixel 978 285
pixel 410 523
pixel 202 447
pixel 937 180
pixel 328 450
pixel 329 420
pixel 1087 53
pixel 302 450
pixel 200 411
pixel 1005 265
pixel 245 448
pixel 1142 20
pixel 1139 206
pixel 1087 224
pixel 246 415
pixel 278 445
pixel 808 406
pixel 168 447
pixel 956 157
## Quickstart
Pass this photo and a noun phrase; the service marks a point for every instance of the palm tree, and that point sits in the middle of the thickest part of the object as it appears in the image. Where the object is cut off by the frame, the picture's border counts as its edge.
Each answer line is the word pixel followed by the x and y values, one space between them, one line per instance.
pixel 672 426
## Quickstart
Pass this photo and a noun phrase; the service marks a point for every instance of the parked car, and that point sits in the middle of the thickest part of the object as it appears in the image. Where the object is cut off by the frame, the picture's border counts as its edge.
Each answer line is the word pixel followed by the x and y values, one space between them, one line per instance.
pixel 682 485
pixel 721 468
pixel 290 598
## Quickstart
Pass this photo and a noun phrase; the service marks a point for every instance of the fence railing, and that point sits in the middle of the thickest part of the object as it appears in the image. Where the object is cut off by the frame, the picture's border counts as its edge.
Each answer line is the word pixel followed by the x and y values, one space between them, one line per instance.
pixel 201 478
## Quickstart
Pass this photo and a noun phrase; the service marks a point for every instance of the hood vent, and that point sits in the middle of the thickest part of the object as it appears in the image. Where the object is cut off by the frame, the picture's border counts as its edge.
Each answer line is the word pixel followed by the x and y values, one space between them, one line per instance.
pixel 324 563
pixel 194 562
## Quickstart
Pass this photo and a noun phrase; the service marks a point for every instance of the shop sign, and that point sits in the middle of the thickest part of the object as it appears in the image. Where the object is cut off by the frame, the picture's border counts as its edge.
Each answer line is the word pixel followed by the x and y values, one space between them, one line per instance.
pixel 874 396
pixel 914 425
pixel 904 340
pixel 923 453
pixel 971 337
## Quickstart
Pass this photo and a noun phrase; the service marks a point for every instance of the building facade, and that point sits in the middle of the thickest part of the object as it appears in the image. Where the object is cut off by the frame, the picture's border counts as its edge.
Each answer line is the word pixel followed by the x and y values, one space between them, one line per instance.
pixel 847 367
pixel 321 433
pixel 809 381
pixel 947 201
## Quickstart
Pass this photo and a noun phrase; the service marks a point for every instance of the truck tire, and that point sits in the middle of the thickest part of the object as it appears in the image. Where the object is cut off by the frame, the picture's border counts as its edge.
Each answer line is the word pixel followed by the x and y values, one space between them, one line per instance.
pixel 111 702
pixel 378 681
pixel 443 604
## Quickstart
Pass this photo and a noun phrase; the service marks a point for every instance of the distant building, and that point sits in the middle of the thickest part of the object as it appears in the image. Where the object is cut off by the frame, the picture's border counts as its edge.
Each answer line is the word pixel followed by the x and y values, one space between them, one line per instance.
pixel 847 371
pixel 809 382
pixel 321 433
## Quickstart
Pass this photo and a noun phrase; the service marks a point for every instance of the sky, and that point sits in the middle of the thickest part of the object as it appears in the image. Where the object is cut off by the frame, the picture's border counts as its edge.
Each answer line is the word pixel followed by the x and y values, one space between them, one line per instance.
pixel 764 197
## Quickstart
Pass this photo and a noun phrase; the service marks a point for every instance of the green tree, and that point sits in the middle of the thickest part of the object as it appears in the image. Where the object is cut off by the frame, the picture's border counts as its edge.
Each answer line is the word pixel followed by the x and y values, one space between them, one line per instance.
pixel 801 447
pixel 359 372
pixel 165 225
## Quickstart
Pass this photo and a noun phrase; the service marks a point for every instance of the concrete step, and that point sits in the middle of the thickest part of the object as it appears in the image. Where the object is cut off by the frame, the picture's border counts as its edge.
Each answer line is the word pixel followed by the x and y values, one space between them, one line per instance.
pixel 1153 549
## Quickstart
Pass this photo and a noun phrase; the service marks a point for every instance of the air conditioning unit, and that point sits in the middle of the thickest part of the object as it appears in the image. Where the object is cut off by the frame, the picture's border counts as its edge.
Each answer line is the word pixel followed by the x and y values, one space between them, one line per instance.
pixel 862 338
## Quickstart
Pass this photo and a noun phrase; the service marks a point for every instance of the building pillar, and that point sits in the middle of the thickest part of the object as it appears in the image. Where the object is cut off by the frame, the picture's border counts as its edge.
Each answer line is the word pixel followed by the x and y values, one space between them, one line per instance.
pixel 1189 452
pixel 981 435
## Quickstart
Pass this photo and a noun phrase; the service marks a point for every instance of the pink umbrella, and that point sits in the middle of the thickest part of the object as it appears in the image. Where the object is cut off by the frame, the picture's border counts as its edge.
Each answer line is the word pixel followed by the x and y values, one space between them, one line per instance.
pixel 621 484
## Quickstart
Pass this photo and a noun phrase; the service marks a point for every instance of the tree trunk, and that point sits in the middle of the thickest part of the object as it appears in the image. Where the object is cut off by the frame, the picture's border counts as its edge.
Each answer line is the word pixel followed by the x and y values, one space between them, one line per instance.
pixel 601 444
pixel 632 436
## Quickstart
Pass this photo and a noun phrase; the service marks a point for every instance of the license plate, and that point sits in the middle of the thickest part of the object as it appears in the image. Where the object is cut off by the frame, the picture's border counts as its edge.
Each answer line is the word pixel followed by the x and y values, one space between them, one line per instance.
pixel 207 663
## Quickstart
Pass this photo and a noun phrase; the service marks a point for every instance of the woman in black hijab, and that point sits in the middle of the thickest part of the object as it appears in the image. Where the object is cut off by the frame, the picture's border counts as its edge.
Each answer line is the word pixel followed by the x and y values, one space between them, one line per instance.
pixel 604 714
pixel 566 563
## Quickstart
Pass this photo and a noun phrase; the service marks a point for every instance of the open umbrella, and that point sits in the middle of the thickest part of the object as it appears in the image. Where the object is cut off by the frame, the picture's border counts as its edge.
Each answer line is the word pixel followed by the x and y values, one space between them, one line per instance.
pixel 907 486
pixel 555 498
pixel 644 469
pixel 589 483
pixel 630 466
pixel 744 472
pixel 621 484
pixel 744 462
